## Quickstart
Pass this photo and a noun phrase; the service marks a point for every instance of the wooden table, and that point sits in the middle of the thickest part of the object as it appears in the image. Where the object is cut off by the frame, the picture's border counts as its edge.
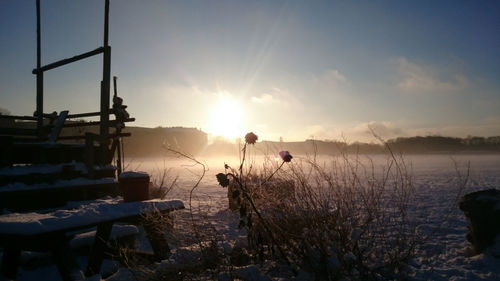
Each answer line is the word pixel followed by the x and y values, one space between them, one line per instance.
pixel 48 231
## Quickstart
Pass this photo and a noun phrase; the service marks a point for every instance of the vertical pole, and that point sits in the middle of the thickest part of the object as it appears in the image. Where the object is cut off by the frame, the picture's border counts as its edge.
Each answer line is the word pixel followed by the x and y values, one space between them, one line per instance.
pixel 106 77
pixel 99 248
pixel 39 74
pixel 118 130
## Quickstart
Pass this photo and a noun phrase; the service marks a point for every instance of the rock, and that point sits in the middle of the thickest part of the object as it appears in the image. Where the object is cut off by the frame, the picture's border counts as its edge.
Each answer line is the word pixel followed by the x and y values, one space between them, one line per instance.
pixel 482 209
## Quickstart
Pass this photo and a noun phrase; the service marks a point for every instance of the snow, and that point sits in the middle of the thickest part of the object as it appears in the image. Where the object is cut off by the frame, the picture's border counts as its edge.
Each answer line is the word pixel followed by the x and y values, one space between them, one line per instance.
pixel 443 255
pixel 118 230
pixel 80 214
pixel 133 174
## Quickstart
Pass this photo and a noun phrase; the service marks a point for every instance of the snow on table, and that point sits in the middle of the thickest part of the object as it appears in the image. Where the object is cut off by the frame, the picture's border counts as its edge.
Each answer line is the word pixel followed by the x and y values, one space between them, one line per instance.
pixel 80 214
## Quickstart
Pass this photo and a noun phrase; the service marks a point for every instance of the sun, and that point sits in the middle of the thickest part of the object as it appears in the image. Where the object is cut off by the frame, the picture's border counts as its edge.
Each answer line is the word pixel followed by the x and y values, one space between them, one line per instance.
pixel 226 118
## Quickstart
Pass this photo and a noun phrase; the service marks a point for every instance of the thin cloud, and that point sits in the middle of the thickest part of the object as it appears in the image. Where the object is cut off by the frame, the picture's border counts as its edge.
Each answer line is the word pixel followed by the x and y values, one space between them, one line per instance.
pixel 416 78
pixel 334 75
pixel 330 77
pixel 263 99
pixel 384 129
pixel 275 96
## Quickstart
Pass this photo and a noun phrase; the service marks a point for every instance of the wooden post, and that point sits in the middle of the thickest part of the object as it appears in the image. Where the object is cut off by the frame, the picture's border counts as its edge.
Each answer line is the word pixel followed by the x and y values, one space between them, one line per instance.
pixel 98 248
pixel 10 261
pixel 156 237
pixel 118 130
pixel 65 259
pixel 106 77
pixel 39 75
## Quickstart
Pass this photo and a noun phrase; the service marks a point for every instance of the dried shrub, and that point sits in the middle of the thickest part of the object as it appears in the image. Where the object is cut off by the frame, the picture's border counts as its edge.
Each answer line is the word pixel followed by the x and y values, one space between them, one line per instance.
pixel 346 218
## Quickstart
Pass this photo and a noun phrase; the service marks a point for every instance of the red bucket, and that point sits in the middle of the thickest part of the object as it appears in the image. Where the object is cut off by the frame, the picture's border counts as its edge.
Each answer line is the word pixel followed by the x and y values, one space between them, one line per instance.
pixel 134 186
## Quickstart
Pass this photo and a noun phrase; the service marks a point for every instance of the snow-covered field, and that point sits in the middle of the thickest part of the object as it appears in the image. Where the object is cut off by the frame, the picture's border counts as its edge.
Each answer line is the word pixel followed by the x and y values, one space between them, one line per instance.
pixel 437 179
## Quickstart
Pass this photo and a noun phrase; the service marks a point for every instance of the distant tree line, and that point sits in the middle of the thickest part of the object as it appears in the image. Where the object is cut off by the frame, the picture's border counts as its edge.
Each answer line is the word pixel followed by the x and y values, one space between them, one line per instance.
pixel 439 143
pixel 418 144
pixel 150 142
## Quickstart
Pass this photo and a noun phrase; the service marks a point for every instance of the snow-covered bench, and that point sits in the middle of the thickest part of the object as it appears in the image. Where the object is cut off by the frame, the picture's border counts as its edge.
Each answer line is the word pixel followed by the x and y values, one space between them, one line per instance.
pixel 52 230
pixel 40 186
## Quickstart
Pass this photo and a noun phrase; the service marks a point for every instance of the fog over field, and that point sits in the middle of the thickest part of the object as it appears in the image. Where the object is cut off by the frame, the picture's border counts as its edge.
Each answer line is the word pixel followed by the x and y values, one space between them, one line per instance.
pixel 437 180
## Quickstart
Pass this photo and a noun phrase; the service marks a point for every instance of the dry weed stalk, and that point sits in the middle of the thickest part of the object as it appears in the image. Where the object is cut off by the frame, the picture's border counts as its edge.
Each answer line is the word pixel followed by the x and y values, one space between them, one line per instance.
pixel 348 219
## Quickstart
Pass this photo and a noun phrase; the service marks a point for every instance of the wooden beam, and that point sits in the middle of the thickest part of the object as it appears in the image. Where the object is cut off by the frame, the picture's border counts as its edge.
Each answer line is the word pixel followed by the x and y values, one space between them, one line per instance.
pixel 39 76
pixel 106 76
pixel 14 117
pixel 83 137
pixel 81 115
pixel 68 60
pixel 112 123
pixel 38 36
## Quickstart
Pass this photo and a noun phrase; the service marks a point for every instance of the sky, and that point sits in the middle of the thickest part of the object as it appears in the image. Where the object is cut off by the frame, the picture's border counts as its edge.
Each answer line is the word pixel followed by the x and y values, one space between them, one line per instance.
pixel 328 70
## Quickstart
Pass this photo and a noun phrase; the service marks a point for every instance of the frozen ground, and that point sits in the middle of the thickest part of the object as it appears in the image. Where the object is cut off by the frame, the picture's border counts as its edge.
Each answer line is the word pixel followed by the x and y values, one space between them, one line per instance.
pixel 443 256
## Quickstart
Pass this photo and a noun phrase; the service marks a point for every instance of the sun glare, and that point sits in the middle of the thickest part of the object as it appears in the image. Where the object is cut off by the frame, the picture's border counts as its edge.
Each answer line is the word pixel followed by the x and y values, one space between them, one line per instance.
pixel 226 118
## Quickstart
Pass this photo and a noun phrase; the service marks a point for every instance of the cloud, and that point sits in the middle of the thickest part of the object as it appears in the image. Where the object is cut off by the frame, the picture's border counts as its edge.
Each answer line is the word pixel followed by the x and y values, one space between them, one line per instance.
pixel 416 78
pixel 384 129
pixel 276 96
pixel 263 99
pixel 331 78
pixel 333 75
pixel 358 132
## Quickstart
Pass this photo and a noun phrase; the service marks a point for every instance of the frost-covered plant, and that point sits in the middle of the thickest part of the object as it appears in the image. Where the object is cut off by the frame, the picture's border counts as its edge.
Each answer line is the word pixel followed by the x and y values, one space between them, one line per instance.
pixel 345 219
pixel 242 185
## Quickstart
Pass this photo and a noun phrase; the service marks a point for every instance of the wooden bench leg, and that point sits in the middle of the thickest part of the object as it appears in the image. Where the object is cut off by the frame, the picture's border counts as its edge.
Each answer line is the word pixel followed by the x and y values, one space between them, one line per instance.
pixel 10 261
pixel 66 261
pixel 156 237
pixel 98 248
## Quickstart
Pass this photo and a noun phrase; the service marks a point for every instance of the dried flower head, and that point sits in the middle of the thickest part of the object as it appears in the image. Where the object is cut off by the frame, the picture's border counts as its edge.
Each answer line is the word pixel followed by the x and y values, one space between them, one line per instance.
pixel 286 156
pixel 222 179
pixel 251 138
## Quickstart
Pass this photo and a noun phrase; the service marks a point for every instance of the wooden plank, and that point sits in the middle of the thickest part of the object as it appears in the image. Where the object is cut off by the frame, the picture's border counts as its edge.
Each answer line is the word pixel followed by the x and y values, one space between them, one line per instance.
pixel 67 61
pixel 56 130
pixel 52 197
pixel 130 212
pixel 41 152
pixel 110 136
pixel 16 117
pixel 53 173
pixel 112 123
pixel 81 115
